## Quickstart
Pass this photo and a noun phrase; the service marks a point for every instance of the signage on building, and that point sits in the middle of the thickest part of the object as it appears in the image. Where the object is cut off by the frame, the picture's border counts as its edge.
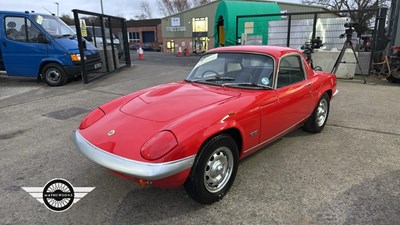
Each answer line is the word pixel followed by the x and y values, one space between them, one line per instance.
pixel 176 29
pixel 175 21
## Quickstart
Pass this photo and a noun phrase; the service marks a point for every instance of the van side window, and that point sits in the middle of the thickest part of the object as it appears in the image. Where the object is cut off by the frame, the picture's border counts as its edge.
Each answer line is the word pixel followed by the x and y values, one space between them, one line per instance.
pixel 290 71
pixel 21 29
pixel 12 26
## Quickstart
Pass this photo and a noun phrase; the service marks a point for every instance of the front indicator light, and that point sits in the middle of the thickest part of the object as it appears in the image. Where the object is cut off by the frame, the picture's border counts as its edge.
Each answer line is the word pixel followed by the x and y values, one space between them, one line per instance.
pixel 144 183
pixel 92 118
pixel 159 145
pixel 75 57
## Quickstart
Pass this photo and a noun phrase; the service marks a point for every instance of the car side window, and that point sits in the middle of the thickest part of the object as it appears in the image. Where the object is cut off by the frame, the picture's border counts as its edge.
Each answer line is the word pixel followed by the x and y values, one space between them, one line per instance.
pixel 290 71
pixel 21 29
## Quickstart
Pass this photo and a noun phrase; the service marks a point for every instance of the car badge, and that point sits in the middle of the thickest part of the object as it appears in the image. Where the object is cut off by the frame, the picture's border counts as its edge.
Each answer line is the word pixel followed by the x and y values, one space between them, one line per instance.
pixel 111 132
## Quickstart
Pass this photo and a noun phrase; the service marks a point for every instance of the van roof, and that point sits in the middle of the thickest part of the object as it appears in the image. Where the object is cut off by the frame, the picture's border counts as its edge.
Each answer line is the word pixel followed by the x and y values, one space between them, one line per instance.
pixel 18 13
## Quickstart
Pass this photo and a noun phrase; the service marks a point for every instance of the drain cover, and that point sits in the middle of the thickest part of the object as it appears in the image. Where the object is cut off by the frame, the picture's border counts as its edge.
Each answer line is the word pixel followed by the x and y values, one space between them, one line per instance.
pixel 66 113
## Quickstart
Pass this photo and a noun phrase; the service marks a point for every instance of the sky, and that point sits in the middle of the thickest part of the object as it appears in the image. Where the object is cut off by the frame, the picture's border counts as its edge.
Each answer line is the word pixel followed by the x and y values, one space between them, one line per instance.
pixel 122 8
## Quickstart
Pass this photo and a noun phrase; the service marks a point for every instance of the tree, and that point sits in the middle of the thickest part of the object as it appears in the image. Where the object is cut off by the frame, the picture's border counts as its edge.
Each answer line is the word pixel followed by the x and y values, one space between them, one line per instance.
pixel 168 7
pixel 362 17
pixel 67 19
pixel 145 11
pixel 200 2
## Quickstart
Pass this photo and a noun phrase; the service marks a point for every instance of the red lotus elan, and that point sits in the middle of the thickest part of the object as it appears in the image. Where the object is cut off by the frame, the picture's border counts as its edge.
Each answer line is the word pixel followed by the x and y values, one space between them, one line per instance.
pixel 235 101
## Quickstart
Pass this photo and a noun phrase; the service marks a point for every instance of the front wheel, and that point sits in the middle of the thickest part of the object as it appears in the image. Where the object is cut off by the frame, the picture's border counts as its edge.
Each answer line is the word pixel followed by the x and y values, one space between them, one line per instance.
pixel 316 122
pixel 54 74
pixel 214 170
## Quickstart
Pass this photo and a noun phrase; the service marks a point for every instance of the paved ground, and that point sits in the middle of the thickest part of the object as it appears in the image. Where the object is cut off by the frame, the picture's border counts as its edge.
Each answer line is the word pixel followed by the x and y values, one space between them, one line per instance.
pixel 348 174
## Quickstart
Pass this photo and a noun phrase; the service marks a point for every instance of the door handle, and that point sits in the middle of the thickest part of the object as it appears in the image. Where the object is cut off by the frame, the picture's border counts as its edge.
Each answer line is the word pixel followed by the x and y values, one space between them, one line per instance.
pixel 308 84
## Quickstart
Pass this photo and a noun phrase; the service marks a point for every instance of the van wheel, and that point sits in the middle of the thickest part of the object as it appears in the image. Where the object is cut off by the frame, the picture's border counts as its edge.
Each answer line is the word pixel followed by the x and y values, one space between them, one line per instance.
pixel 54 74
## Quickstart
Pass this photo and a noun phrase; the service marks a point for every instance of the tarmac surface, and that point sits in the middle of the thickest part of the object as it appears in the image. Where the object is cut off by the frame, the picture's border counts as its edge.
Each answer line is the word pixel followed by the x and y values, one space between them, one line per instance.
pixel 348 174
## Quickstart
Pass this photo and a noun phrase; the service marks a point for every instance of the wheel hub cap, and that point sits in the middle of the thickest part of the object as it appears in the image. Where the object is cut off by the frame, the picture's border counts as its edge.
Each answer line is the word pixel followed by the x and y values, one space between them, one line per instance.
pixel 218 169
pixel 322 112
pixel 53 75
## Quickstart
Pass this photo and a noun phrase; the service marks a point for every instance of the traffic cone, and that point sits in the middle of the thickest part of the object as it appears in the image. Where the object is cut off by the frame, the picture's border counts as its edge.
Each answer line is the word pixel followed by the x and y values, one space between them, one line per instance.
pixel 180 52
pixel 141 55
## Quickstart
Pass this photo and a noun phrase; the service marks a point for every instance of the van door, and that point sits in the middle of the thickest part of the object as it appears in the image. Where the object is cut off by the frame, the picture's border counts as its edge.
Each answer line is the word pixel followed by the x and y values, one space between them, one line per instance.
pixel 21 47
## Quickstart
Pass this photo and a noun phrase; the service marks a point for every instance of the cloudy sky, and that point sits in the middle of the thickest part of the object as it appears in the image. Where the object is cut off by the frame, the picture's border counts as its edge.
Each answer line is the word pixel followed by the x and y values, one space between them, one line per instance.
pixel 123 8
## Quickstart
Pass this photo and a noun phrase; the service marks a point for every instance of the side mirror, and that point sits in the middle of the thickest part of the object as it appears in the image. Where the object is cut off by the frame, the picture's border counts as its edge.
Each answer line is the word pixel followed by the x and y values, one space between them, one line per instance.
pixel 42 39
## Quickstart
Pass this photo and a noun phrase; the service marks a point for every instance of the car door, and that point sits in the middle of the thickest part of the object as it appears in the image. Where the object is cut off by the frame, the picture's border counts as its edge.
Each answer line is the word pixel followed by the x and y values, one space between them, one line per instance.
pixel 22 52
pixel 294 98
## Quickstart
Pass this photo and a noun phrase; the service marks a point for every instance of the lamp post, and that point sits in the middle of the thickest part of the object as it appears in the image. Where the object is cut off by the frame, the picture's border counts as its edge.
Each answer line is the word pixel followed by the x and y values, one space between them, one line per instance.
pixel 101 3
pixel 58 7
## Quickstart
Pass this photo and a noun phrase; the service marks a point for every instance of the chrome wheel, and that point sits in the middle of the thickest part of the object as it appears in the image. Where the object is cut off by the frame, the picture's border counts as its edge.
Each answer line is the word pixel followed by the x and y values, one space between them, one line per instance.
pixel 322 112
pixel 214 169
pixel 218 169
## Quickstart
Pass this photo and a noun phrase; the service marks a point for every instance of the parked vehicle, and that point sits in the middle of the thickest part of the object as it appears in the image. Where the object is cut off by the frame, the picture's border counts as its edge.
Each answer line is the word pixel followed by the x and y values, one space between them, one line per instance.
pixel 235 101
pixel 43 46
pixel 95 37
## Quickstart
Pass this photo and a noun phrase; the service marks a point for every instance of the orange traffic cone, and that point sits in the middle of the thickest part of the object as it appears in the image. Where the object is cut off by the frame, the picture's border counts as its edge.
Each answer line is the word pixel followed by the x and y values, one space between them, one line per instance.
pixel 180 52
pixel 141 55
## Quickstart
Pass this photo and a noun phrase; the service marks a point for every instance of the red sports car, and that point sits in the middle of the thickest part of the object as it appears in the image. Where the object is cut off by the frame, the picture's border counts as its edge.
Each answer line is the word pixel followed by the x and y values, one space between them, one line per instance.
pixel 235 101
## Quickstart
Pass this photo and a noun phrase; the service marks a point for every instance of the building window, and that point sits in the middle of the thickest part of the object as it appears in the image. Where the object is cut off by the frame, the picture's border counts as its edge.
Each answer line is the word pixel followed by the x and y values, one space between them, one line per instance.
pixel 133 37
pixel 200 24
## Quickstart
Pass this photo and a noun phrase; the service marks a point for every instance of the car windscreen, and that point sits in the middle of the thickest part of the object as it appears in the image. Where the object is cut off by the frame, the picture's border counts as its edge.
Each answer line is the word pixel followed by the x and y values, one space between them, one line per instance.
pixel 54 26
pixel 243 70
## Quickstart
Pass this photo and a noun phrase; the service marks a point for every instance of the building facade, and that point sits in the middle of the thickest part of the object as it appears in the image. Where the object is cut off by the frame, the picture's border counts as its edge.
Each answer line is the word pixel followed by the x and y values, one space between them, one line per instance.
pixel 197 28
pixel 145 33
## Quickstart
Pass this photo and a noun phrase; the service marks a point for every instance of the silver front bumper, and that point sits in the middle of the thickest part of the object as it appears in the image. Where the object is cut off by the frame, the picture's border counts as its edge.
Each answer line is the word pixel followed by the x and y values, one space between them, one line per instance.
pixel 143 170
pixel 336 92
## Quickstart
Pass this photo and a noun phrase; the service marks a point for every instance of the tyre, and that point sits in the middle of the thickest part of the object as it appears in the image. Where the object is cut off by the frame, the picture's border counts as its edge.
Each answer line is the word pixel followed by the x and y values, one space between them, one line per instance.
pixel 54 74
pixel 214 170
pixel 316 122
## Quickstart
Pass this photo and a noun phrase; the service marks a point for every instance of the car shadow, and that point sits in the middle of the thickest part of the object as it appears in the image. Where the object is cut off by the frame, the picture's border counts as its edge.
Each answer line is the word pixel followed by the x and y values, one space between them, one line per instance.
pixel 151 205
pixel 295 133
pixel 373 201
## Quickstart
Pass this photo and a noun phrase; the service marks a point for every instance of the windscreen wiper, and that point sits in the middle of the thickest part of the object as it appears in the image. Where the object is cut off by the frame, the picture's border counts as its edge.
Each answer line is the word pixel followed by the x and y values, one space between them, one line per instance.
pixel 248 85
pixel 66 35
pixel 220 78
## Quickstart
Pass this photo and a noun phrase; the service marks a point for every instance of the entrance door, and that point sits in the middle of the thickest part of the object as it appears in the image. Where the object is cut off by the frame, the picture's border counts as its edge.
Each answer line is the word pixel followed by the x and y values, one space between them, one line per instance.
pixel 200 44
pixel 200 34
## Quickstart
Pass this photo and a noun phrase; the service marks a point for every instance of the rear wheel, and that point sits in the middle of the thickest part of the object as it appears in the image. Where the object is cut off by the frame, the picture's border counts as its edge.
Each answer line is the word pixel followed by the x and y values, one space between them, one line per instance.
pixel 316 122
pixel 54 74
pixel 214 170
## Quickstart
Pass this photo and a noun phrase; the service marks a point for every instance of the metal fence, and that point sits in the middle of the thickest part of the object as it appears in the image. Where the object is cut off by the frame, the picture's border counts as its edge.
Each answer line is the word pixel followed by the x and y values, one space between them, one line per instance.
pixel 109 35
pixel 295 29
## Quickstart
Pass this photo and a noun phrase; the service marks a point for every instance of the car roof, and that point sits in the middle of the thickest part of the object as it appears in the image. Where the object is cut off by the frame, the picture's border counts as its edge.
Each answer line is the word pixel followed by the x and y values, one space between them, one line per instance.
pixel 275 51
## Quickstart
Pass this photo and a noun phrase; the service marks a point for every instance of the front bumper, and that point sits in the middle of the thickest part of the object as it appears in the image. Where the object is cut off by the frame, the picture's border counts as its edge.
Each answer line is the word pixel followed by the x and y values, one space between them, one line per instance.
pixel 76 69
pixel 143 170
